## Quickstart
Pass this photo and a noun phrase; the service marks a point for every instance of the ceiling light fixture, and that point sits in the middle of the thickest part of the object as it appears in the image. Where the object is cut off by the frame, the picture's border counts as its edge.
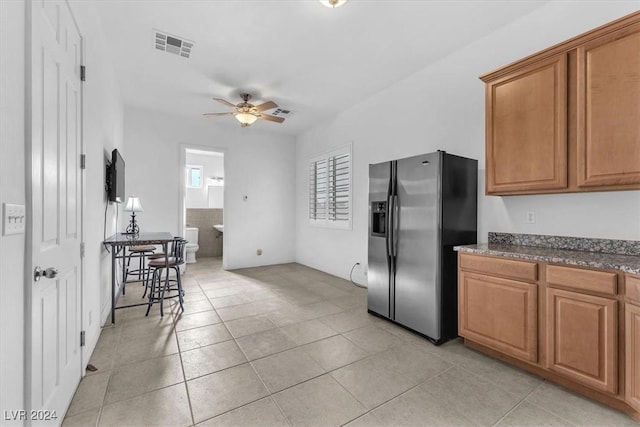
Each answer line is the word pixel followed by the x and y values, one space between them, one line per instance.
pixel 333 3
pixel 246 119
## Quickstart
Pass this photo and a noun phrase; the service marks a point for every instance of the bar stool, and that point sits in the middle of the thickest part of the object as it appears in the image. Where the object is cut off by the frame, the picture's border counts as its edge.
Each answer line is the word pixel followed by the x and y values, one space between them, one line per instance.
pixel 159 286
pixel 150 257
pixel 141 252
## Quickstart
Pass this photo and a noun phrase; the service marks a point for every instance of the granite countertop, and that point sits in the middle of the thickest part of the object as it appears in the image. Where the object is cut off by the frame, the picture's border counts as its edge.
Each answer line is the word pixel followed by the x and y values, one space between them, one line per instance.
pixel 628 263
pixel 144 238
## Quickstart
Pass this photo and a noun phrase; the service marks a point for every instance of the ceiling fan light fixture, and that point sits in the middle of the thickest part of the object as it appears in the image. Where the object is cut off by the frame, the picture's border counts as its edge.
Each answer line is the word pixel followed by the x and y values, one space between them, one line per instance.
pixel 247 113
pixel 333 3
pixel 246 119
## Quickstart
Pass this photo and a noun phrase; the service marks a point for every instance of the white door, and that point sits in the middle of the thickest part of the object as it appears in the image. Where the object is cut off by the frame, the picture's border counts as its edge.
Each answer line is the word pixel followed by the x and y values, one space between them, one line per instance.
pixel 55 364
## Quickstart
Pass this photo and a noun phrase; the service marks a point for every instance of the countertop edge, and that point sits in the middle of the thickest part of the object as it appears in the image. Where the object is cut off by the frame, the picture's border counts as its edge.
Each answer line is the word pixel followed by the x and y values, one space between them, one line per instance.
pixel 550 259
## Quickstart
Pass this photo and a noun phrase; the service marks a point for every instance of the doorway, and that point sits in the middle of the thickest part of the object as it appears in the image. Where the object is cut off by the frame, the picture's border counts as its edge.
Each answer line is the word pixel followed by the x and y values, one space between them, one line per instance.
pixel 203 189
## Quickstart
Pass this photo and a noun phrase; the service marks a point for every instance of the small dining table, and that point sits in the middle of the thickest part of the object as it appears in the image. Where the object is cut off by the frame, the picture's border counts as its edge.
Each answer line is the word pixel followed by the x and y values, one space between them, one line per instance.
pixel 119 243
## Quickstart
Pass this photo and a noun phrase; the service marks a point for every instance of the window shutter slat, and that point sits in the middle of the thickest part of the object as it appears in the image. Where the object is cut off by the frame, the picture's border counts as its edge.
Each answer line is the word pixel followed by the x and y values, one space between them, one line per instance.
pixel 330 188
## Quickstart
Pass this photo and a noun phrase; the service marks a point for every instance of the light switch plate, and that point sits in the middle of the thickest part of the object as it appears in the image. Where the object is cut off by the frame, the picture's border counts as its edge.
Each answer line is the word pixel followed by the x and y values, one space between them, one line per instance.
pixel 14 219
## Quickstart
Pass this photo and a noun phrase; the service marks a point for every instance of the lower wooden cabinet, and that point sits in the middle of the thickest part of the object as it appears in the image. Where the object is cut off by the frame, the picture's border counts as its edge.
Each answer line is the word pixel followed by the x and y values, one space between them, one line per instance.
pixel 582 338
pixel 499 313
pixel 632 345
pixel 577 326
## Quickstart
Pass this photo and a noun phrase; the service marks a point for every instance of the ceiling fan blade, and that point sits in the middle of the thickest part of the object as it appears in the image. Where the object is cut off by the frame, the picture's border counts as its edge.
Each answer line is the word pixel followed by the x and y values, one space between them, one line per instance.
pixel 266 106
pixel 271 118
pixel 225 102
pixel 218 114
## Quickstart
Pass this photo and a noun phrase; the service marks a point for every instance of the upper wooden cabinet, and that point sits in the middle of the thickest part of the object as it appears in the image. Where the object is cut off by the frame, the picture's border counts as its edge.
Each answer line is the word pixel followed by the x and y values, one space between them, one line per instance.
pixel 568 118
pixel 527 127
pixel 608 107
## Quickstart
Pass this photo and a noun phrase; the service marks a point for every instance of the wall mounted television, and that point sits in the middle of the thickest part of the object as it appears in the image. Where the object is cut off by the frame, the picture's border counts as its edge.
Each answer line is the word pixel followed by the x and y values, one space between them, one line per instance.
pixel 115 178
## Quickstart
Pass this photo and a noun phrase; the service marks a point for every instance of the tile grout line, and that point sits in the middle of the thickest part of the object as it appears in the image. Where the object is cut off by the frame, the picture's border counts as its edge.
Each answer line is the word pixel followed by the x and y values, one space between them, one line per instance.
pixel 370 411
pixel 248 361
pixel 275 402
pixel 113 368
pixel 412 388
pixel 542 407
pixel 289 387
pixel 498 385
pixel 517 403
pixel 297 346
pixel 184 376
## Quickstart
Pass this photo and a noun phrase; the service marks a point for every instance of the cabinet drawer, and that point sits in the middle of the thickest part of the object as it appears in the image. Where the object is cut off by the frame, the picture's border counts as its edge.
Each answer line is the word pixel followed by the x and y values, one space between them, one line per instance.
pixel 504 267
pixel 633 287
pixel 603 282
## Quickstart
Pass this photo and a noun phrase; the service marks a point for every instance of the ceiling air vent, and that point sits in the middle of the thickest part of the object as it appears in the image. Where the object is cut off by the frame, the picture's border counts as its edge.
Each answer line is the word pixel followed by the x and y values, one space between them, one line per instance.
pixel 172 44
pixel 281 112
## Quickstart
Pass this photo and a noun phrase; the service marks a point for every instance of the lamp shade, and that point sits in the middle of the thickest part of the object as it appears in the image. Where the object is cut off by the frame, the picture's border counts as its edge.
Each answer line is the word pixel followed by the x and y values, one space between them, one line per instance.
pixel 246 118
pixel 333 3
pixel 133 205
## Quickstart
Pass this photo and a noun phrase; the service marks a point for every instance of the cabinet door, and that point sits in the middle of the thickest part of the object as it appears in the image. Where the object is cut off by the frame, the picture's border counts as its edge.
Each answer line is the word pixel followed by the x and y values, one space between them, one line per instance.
pixel 582 338
pixel 527 129
pixel 499 313
pixel 608 110
pixel 632 332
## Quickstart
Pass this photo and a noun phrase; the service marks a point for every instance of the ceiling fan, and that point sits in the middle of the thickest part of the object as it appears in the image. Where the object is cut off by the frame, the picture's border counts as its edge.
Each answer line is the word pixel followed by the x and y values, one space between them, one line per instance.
pixel 247 113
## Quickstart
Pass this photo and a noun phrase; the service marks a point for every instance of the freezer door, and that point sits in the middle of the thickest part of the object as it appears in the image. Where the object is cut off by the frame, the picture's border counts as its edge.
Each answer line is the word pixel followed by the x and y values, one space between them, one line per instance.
pixel 417 244
pixel 378 258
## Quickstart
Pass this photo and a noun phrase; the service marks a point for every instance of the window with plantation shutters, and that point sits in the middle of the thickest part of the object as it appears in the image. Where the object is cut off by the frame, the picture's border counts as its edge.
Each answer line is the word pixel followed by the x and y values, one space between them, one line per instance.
pixel 330 189
pixel 339 187
pixel 318 189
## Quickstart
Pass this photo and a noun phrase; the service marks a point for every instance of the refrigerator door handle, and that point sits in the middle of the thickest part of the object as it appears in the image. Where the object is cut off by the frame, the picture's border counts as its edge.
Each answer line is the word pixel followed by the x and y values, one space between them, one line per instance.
pixel 395 232
pixel 390 230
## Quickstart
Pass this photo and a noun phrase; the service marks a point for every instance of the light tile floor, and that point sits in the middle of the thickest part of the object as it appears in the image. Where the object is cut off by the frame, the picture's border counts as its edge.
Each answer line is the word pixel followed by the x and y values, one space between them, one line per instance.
pixel 288 345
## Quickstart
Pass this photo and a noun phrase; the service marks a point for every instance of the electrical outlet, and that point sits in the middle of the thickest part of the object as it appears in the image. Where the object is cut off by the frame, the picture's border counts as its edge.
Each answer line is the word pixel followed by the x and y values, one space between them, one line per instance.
pixel 259 252
pixel 363 267
pixel 14 219
pixel 531 217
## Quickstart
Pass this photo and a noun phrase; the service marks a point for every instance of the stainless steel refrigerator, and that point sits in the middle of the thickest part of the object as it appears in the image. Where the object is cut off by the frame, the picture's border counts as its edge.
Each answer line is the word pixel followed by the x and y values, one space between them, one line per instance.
pixel 419 208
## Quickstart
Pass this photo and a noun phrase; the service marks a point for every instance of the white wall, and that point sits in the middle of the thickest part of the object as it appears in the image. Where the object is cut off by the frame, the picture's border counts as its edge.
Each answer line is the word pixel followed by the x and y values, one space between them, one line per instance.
pixel 257 164
pixel 102 132
pixel 215 197
pixel 12 190
pixel 198 198
pixel 449 115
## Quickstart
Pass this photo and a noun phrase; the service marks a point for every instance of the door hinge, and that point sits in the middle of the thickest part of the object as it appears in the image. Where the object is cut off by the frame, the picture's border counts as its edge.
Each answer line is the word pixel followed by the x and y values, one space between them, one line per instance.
pixel 83 73
pixel 81 250
pixel 82 338
pixel 83 161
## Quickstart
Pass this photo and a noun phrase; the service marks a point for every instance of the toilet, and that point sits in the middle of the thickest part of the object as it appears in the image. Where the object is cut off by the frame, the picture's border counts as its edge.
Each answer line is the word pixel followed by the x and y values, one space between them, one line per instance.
pixel 190 249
